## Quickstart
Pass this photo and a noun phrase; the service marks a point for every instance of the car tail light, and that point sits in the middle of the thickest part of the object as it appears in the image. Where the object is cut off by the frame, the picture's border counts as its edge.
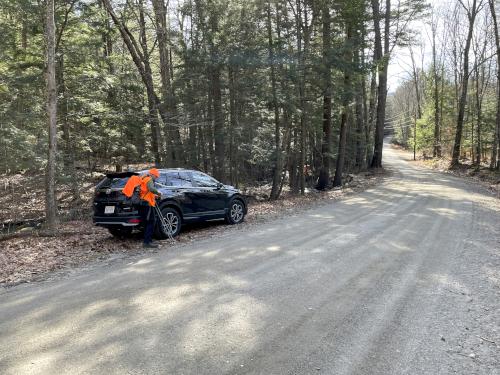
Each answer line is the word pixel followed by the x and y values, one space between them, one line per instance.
pixel 134 221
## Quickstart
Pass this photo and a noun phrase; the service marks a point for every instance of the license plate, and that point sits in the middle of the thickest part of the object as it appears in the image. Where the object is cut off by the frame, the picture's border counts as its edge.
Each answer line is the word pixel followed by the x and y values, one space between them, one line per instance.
pixel 109 209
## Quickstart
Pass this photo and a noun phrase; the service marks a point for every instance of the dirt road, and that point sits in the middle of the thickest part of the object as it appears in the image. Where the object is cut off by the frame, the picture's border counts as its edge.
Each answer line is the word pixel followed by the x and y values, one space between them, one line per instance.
pixel 401 279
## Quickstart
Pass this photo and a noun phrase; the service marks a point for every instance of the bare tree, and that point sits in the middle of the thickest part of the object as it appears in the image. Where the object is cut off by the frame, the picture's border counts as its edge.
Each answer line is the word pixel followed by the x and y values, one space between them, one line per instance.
pixel 472 12
pixel 436 152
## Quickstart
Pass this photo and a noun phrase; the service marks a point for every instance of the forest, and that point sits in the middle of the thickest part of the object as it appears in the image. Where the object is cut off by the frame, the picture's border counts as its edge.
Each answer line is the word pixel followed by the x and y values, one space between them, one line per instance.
pixel 290 93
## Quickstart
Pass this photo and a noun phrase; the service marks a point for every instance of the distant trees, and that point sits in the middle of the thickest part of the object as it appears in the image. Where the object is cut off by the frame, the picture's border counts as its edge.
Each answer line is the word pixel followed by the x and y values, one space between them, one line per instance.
pixel 461 87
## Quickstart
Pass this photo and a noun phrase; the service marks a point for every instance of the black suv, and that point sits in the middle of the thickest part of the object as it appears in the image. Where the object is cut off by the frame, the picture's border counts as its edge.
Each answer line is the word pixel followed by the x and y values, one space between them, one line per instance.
pixel 186 196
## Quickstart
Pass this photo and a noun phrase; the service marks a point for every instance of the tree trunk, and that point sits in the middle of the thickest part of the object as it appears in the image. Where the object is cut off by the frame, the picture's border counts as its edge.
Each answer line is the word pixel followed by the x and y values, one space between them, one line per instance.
pixel 293 171
pixel 303 38
pixel 436 151
pixel 277 141
pixel 50 192
pixel 382 78
pixel 372 118
pixel 326 141
pixel 481 84
pixel 216 92
pixel 337 180
pixel 24 32
pixel 218 122
pixel 416 84
pixel 465 82
pixel 302 102
pixel 495 149
pixel 69 148
pixel 153 102
pixel 234 121
pixel 209 129
pixel 418 112
pixel 441 107
pixel 359 89
pixel 360 128
pixel 176 154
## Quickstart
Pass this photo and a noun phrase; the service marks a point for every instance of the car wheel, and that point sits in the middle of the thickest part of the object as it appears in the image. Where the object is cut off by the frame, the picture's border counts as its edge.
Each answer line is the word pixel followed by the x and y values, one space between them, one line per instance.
pixel 120 232
pixel 236 213
pixel 172 220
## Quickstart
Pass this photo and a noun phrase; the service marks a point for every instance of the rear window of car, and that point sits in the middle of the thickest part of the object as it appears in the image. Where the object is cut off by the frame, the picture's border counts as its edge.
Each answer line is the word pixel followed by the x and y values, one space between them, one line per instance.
pixel 176 179
pixel 108 183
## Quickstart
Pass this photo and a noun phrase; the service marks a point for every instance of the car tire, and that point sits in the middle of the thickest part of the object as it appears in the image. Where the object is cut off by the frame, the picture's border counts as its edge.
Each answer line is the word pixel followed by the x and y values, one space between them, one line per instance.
pixel 120 231
pixel 172 216
pixel 236 212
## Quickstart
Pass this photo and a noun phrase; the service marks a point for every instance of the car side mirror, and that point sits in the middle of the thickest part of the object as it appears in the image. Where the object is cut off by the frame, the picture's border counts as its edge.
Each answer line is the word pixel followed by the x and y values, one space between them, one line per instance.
pixel 219 185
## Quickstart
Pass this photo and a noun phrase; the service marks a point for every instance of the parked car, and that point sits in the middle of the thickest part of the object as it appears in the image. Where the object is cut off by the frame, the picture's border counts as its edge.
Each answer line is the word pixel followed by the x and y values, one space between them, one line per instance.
pixel 186 196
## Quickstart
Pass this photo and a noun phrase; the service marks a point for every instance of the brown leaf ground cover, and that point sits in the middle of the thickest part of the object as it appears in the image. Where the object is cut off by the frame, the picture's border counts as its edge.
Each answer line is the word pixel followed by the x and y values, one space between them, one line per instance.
pixel 31 256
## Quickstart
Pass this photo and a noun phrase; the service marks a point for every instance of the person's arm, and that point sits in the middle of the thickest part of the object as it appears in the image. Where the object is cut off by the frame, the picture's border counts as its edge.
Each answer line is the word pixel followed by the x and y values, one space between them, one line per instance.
pixel 152 188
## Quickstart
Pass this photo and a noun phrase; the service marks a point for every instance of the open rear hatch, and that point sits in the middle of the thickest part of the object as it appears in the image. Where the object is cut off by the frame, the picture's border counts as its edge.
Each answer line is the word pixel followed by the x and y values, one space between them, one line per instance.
pixel 111 206
pixel 109 190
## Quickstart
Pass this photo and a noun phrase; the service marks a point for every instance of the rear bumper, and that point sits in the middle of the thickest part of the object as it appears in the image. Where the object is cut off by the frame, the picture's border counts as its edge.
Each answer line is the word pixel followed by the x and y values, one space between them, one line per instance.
pixel 128 221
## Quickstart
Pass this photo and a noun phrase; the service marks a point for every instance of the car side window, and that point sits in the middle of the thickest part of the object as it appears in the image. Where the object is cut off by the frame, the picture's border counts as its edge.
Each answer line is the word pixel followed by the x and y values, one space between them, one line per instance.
pixel 177 179
pixel 185 177
pixel 203 180
pixel 163 179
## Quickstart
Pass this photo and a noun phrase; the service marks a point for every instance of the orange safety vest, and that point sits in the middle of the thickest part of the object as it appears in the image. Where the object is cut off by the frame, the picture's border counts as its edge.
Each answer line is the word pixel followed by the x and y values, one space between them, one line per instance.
pixel 144 193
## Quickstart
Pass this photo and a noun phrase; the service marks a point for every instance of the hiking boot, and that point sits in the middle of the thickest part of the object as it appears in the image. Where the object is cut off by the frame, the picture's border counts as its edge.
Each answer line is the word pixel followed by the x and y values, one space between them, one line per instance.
pixel 150 246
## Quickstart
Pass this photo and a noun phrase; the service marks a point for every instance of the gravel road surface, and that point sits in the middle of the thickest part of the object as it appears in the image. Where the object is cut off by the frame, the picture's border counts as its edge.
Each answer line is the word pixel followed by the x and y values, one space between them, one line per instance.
pixel 403 278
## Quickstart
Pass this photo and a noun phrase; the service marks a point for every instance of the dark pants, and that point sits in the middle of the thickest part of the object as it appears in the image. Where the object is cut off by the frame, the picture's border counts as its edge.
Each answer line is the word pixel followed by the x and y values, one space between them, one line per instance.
pixel 149 220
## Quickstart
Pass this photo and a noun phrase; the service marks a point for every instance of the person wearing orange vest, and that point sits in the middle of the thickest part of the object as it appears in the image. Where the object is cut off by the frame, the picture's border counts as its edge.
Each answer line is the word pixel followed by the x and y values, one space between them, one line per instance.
pixel 148 193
